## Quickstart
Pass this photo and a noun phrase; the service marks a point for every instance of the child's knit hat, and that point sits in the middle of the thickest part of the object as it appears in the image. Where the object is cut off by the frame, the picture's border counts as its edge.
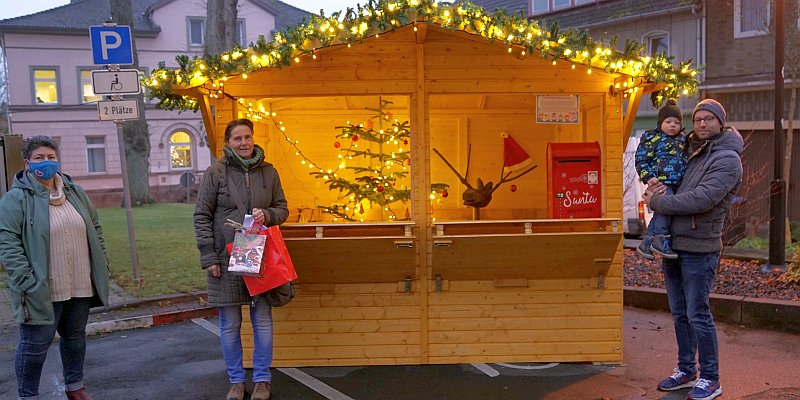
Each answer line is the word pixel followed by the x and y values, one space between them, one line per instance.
pixel 670 110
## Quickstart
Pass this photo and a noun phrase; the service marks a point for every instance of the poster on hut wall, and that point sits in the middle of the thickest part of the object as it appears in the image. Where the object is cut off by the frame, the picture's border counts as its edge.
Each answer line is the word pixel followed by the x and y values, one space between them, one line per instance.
pixel 557 109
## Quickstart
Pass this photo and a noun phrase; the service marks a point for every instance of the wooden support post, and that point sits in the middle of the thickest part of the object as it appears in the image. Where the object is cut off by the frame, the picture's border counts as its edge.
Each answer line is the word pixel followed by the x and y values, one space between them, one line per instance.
pixel 420 186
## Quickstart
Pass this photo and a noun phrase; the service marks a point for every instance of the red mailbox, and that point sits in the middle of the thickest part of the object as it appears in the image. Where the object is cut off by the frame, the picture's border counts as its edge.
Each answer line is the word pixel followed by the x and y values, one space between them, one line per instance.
pixel 573 180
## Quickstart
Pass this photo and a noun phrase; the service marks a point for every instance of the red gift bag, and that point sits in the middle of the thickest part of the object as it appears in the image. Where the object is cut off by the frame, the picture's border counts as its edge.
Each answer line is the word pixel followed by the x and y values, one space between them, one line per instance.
pixel 276 267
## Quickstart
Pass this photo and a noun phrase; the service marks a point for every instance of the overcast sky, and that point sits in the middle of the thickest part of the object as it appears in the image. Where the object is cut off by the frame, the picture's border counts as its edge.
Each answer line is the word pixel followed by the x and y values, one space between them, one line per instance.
pixel 15 8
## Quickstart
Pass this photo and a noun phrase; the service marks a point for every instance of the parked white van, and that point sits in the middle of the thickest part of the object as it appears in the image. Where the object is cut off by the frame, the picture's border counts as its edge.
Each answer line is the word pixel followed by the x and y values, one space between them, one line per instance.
pixel 635 215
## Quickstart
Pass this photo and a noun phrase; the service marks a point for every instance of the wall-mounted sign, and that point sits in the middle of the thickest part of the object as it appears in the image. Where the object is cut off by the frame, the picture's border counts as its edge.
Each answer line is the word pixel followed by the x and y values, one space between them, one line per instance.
pixel 557 109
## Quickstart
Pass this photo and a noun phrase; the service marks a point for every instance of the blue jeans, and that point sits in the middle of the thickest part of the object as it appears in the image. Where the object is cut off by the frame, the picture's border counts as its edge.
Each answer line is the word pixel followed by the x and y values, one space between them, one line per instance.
pixel 689 280
pixel 230 324
pixel 660 223
pixel 71 317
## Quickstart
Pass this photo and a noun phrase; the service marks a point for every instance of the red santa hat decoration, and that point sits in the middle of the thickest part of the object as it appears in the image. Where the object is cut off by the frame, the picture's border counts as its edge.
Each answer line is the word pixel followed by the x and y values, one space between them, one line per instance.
pixel 515 158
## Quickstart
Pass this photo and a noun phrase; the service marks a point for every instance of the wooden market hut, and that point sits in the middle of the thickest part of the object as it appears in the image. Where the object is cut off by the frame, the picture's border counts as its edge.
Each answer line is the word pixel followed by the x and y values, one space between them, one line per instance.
pixel 430 283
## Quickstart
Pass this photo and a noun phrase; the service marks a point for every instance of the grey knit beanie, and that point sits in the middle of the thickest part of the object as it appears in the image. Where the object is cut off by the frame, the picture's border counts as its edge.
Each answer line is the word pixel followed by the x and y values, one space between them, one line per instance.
pixel 713 107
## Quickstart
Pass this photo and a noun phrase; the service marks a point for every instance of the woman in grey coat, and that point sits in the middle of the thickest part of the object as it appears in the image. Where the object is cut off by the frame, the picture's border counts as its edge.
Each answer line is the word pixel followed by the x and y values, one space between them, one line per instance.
pixel 238 184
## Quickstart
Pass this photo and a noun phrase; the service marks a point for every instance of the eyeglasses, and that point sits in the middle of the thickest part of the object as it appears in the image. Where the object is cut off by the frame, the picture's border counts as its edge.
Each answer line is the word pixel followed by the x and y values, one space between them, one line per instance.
pixel 709 119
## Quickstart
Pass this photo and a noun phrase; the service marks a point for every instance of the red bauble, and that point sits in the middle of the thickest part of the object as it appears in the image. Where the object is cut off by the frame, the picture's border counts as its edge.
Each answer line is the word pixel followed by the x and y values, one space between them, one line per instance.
pixel 380 189
pixel 444 193
pixel 337 144
pixel 513 188
pixel 355 138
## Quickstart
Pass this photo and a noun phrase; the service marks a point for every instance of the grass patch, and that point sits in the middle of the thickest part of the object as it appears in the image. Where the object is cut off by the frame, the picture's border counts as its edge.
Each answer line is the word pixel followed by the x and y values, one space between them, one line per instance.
pixel 166 246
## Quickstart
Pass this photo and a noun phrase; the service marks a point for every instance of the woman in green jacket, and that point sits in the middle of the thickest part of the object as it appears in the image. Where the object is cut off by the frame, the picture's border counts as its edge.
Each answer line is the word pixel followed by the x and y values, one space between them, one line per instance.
pixel 51 244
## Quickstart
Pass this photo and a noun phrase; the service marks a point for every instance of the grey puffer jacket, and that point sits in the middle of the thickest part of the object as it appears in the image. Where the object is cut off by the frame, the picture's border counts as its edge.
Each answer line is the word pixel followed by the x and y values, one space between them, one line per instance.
pixel 698 208
pixel 260 187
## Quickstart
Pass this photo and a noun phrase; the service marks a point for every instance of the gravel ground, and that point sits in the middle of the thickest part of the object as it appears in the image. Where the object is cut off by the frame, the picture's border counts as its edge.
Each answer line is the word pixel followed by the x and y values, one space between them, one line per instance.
pixel 734 277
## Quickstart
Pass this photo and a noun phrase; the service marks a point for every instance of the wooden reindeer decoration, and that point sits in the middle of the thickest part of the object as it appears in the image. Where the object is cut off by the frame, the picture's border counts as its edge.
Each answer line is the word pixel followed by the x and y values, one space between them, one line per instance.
pixel 480 196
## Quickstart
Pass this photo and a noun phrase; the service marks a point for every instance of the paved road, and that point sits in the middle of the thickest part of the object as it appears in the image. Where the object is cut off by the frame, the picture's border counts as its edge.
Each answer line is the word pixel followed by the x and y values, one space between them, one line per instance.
pixel 183 361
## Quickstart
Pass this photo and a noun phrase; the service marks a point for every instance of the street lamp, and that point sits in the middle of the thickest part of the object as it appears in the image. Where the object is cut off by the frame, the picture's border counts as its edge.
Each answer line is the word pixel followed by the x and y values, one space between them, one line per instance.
pixel 777 188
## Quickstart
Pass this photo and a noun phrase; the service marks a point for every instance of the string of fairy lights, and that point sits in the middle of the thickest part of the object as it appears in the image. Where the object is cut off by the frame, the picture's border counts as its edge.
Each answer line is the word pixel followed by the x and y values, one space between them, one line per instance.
pixel 380 182
pixel 352 26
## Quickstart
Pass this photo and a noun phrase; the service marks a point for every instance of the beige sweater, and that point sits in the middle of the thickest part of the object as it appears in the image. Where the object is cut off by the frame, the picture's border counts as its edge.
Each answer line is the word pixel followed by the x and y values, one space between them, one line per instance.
pixel 70 271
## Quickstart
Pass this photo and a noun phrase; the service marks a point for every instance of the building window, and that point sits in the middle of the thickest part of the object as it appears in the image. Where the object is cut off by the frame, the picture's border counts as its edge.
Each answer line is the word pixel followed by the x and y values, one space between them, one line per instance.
pixel 87 90
pixel 657 42
pixel 545 6
pixel 45 85
pixel 180 150
pixel 197 31
pixel 96 154
pixel 240 34
pixel 750 18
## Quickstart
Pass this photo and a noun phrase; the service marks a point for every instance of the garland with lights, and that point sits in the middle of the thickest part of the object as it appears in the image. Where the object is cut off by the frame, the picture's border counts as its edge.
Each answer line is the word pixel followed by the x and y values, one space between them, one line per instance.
pixel 377 17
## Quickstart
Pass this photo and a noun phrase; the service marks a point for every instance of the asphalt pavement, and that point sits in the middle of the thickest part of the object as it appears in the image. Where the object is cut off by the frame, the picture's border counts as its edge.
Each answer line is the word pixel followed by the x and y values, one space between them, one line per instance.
pixel 182 360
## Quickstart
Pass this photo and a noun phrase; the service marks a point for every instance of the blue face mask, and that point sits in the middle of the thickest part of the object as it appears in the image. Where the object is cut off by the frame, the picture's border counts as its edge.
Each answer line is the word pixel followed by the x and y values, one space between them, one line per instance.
pixel 44 169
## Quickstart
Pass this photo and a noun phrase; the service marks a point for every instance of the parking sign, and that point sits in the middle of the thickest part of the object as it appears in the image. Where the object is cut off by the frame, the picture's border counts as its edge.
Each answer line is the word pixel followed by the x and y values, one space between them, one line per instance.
pixel 111 44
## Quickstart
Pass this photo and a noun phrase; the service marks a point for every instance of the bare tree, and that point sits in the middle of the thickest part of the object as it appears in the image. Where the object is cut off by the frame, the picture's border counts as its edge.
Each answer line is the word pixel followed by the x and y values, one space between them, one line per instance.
pixel 3 95
pixel 220 32
pixel 135 133
pixel 792 64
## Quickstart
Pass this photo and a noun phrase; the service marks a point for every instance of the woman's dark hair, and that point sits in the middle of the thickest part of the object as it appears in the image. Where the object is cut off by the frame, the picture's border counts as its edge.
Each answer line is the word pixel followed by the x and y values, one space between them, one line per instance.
pixel 34 142
pixel 234 124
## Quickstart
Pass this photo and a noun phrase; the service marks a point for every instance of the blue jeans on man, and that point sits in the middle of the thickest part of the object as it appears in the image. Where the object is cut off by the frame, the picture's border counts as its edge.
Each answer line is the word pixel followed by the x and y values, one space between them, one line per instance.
pixel 689 280
pixel 71 317
pixel 230 324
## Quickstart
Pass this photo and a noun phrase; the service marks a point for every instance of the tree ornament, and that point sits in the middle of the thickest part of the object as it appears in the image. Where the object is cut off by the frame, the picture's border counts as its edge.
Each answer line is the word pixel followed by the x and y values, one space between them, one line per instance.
pixel 354 138
pixel 444 193
pixel 513 188
pixel 405 142
pixel 337 144
pixel 368 125
pixel 360 208
pixel 380 189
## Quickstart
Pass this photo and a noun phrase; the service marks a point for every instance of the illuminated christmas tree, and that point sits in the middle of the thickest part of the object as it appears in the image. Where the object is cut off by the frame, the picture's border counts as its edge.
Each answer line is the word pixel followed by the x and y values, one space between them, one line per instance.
pixel 376 152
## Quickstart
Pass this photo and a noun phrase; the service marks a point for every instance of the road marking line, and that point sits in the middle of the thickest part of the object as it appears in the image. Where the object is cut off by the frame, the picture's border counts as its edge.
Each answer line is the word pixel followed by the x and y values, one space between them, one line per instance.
pixel 486 369
pixel 515 366
pixel 207 325
pixel 314 384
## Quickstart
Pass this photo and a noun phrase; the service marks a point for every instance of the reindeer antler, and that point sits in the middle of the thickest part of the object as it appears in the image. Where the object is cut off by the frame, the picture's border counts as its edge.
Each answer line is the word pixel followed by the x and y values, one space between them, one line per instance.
pixel 504 179
pixel 461 178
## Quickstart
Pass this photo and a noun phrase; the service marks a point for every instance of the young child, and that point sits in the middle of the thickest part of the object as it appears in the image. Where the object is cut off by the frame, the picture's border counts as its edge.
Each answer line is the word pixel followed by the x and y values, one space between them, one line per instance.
pixel 660 157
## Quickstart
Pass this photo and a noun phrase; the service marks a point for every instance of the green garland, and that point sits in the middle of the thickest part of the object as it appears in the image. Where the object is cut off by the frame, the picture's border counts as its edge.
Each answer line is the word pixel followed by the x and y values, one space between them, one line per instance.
pixel 376 17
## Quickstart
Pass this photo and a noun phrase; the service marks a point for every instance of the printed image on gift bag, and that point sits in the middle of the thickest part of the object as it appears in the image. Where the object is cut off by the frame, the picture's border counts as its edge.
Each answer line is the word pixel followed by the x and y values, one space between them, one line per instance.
pixel 246 253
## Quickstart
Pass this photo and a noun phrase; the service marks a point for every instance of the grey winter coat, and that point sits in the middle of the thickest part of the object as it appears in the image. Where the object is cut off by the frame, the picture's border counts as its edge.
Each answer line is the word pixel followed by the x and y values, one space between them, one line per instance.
pixel 260 187
pixel 25 247
pixel 698 208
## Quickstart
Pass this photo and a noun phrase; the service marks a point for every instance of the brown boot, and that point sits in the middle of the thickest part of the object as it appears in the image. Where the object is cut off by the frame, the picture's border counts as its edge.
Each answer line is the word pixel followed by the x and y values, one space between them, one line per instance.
pixel 236 392
pixel 79 394
pixel 261 391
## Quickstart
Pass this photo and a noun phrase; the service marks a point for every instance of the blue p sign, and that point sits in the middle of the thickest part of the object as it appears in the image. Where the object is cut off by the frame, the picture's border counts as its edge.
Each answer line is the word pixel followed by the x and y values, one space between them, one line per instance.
pixel 111 44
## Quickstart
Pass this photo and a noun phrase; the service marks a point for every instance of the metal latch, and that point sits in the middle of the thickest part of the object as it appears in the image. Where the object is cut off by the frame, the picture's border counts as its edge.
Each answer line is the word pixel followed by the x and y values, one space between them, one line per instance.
pixel 404 243
pixel 408 283
pixel 601 281
pixel 438 285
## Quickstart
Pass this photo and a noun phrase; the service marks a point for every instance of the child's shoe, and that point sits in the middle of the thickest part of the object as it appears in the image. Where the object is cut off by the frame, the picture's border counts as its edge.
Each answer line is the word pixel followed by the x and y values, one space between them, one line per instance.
pixel 662 247
pixel 644 248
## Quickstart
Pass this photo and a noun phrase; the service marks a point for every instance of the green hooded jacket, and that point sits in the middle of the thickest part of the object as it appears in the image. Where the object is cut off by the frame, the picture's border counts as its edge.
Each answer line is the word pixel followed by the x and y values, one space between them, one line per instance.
pixel 25 247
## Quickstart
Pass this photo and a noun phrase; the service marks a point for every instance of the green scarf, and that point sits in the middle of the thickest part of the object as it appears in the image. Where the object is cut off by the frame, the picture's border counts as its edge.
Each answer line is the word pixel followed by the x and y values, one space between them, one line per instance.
pixel 254 160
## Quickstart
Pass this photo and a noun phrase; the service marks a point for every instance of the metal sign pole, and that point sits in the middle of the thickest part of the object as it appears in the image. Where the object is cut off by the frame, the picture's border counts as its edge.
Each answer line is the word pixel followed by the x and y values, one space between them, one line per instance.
pixel 126 195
